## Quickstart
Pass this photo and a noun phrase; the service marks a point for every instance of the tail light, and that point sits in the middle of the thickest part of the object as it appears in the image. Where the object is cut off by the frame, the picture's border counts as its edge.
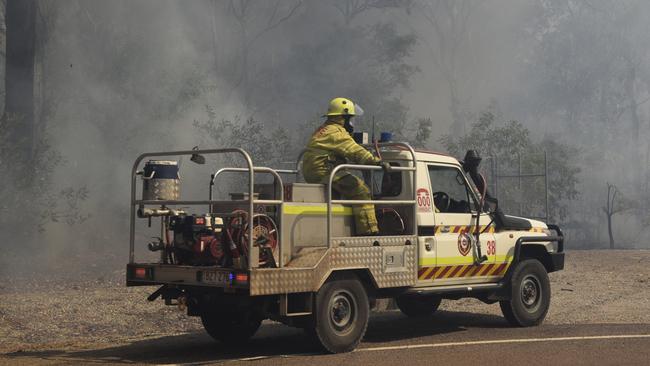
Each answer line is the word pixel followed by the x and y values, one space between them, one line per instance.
pixel 143 273
pixel 241 277
pixel 238 278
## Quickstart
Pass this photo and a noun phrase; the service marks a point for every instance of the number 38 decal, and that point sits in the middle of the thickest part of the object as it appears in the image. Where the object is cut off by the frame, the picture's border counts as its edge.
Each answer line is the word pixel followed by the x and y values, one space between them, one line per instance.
pixel 491 247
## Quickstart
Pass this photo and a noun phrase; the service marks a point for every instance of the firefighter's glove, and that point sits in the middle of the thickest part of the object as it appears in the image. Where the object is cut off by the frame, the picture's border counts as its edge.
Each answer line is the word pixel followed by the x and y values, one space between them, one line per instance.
pixel 386 166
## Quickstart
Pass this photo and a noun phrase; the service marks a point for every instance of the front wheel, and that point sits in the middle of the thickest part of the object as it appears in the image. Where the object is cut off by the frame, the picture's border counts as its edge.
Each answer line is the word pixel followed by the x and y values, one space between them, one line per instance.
pixel 530 294
pixel 342 313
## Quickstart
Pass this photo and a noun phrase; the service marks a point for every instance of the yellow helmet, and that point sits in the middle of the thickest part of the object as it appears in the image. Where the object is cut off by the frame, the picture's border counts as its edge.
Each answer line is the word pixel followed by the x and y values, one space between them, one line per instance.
pixel 342 107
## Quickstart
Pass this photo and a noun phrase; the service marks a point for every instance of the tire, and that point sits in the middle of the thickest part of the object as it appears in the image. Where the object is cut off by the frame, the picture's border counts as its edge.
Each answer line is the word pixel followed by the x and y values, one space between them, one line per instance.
pixel 230 328
pixel 530 295
pixel 341 315
pixel 418 306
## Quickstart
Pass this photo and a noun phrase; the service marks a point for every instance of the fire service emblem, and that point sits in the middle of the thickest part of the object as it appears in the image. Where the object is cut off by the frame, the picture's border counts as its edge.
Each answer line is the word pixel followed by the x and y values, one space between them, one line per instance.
pixel 463 243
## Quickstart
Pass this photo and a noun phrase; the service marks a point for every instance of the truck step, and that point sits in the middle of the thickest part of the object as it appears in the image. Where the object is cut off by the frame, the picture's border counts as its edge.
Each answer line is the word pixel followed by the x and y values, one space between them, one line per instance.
pixel 454 288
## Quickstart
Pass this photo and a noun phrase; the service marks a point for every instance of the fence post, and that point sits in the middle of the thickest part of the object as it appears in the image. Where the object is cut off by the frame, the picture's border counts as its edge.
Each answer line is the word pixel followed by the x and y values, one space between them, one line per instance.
pixel 521 196
pixel 546 184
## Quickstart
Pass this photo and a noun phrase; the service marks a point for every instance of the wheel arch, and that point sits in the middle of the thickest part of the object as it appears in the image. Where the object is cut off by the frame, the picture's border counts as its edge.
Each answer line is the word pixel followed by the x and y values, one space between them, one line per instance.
pixel 362 274
pixel 538 252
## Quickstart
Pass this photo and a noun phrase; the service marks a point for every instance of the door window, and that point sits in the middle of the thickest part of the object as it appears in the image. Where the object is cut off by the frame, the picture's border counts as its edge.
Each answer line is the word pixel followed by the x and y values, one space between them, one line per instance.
pixel 450 191
pixel 385 184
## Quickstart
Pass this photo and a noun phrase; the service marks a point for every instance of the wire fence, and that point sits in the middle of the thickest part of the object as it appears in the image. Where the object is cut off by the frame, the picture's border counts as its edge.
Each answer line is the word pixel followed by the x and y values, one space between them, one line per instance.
pixel 520 185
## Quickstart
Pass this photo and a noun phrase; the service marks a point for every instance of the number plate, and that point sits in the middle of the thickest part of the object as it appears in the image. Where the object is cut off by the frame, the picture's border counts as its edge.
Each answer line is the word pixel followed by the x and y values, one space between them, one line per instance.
pixel 216 277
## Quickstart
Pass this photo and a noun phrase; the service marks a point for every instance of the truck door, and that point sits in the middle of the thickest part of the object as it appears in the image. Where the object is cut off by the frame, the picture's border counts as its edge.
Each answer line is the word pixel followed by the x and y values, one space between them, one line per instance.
pixel 455 217
pixel 426 227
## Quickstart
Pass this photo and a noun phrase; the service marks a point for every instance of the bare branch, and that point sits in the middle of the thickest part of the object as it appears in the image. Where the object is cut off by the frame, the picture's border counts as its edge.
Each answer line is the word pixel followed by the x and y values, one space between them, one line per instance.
pixel 273 14
pixel 350 9
pixel 275 24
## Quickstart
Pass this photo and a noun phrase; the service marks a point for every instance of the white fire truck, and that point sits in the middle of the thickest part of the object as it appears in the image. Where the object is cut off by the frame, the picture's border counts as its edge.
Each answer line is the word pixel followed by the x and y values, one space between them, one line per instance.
pixel 288 251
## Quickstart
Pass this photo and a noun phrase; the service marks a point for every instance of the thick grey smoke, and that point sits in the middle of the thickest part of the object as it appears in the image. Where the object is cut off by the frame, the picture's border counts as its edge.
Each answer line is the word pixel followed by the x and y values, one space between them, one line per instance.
pixel 123 77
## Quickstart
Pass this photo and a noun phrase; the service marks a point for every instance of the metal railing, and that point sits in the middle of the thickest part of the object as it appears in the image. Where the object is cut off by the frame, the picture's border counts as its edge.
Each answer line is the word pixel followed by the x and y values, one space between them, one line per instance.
pixel 338 168
pixel 134 202
pixel 274 202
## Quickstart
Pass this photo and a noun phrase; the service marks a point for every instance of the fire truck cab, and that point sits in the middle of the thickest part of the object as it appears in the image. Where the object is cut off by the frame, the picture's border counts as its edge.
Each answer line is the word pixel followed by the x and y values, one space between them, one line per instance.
pixel 439 239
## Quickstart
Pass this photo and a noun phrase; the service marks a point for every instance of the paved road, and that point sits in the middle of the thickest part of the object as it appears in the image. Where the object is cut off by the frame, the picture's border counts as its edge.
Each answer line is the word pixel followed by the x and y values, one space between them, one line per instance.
pixel 449 338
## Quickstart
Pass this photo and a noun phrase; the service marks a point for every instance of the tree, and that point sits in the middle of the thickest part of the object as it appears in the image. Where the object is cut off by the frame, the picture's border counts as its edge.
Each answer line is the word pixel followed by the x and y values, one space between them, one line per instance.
pixel 588 75
pixel 27 157
pixel 255 19
pixel 450 23
pixel 422 132
pixel 506 142
pixel 350 9
pixel 20 20
pixel 371 67
pixel 616 203
pixel 267 146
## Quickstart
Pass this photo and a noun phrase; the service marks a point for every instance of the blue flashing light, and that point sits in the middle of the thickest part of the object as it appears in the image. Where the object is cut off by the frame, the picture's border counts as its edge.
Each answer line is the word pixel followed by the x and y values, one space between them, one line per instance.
pixel 386 137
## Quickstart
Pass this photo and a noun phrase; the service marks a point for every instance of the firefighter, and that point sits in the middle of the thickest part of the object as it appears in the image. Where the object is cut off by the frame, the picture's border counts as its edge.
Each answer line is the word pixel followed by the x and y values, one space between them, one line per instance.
pixel 331 145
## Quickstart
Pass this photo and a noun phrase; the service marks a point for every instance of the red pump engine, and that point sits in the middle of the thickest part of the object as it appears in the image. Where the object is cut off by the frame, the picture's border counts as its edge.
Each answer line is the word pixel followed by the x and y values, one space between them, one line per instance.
pixel 209 240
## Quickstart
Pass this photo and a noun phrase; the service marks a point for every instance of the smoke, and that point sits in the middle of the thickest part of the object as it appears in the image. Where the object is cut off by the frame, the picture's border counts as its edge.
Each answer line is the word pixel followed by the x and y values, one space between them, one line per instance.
pixel 123 77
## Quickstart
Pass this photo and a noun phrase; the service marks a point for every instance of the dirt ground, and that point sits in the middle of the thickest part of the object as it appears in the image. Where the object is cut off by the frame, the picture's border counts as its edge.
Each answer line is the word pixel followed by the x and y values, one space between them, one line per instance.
pixel 82 309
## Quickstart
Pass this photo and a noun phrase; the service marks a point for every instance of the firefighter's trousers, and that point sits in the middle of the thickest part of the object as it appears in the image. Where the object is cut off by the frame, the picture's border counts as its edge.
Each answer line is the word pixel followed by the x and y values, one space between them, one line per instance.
pixel 352 187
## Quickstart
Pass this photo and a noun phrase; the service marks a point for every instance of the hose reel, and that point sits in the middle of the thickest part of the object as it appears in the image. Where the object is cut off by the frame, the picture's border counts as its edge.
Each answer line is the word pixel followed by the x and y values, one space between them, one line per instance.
pixel 265 237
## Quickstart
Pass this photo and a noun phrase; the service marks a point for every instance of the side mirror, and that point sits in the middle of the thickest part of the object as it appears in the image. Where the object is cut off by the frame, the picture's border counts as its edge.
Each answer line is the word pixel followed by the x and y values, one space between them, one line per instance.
pixel 492 204
pixel 197 158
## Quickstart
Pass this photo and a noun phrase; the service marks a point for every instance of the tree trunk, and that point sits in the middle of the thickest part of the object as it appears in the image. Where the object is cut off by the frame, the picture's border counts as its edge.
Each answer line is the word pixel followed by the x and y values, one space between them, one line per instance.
pixel 20 19
pixel 609 230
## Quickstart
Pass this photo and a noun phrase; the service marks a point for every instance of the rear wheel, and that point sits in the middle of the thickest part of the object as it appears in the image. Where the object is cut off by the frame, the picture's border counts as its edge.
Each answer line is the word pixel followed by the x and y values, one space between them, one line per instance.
pixel 530 294
pixel 418 306
pixel 342 312
pixel 230 328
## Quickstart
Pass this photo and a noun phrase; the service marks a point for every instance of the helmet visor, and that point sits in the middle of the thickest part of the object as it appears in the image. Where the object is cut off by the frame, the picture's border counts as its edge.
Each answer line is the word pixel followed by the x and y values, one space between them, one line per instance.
pixel 358 111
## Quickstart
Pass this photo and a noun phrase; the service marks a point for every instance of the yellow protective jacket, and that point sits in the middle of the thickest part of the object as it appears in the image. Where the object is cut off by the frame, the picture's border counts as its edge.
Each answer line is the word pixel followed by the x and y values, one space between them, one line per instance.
pixel 331 145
